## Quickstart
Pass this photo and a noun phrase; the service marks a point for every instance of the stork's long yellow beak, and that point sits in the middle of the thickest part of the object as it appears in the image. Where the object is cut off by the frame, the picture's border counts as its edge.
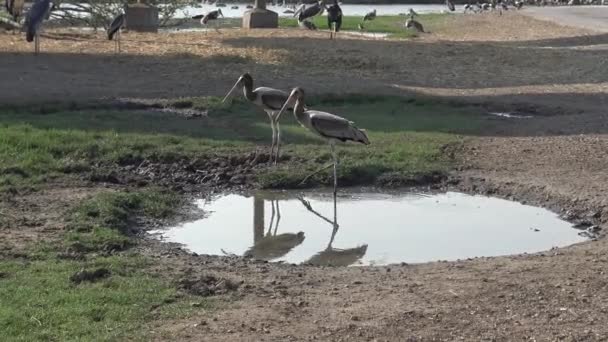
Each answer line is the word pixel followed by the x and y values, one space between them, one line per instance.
pixel 287 103
pixel 232 90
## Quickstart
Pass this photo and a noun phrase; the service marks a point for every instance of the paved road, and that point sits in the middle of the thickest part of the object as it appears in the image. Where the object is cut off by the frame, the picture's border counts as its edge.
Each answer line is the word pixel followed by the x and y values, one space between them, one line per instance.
pixel 588 17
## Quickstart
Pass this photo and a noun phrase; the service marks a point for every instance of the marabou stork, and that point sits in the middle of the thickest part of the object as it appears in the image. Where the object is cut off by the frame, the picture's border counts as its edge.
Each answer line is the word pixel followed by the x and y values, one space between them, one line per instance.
pixel 114 31
pixel 213 15
pixel 33 22
pixel 331 127
pixel 370 16
pixel 270 100
pixel 334 19
pixel 307 12
pixel 450 5
pixel 411 23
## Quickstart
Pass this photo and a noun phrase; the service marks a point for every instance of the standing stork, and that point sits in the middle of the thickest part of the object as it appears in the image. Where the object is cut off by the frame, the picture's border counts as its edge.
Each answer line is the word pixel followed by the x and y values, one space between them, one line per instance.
pixel 331 127
pixel 411 13
pixel 114 31
pixel 270 100
pixel 450 5
pixel 14 8
pixel 334 19
pixel 411 23
pixel 304 13
pixel 33 22
pixel 213 15
pixel 370 16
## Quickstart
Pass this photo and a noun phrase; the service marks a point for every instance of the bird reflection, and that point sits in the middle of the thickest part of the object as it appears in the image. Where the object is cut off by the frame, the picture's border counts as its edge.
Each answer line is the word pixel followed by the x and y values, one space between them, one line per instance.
pixel 270 246
pixel 333 256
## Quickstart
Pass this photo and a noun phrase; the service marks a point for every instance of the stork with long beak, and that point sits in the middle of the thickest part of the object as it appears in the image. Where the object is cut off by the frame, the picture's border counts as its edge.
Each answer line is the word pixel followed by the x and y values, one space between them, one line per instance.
pixel 331 127
pixel 270 100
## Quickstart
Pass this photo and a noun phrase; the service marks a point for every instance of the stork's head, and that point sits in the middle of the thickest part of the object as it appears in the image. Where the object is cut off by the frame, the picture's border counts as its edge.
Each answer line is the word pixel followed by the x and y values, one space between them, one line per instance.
pixel 219 11
pixel 244 81
pixel 297 94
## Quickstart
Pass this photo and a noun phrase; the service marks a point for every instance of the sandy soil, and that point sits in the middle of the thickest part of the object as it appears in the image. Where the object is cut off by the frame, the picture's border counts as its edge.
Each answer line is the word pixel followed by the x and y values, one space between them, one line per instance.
pixel 557 161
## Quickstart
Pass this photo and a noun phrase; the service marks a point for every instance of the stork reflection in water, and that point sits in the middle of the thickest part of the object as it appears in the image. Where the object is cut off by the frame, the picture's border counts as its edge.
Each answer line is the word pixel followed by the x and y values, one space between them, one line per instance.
pixel 271 245
pixel 331 256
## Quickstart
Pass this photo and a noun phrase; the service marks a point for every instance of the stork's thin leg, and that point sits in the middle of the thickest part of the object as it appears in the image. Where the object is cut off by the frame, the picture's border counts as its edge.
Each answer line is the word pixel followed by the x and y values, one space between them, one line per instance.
pixel 271 217
pixel 276 226
pixel 119 41
pixel 36 43
pixel 278 148
pixel 274 139
pixel 333 154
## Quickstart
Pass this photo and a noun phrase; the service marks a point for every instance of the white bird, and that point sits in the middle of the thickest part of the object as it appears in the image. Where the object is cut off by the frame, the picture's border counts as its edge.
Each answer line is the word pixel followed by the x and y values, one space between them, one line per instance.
pixel 331 127
pixel 270 100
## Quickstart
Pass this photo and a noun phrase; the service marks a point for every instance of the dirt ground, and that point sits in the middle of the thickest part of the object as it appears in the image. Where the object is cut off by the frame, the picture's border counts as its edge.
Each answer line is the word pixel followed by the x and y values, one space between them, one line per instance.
pixel 556 159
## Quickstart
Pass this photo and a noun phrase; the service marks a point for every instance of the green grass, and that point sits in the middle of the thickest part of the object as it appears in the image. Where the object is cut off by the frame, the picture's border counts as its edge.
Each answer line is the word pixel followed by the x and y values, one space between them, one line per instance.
pixel 39 302
pixel 391 24
pixel 407 135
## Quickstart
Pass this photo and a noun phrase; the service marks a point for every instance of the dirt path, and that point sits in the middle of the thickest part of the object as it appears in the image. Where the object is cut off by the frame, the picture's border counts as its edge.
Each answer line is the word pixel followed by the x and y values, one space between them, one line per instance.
pixel 588 17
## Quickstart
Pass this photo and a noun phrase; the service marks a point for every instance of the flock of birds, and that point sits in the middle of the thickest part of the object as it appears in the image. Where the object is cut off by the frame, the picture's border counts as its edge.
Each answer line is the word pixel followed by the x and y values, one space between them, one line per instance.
pixel 275 102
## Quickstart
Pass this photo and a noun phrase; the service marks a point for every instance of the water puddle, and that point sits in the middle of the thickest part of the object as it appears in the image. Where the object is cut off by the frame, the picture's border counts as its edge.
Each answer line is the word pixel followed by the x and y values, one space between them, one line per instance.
pixel 510 115
pixel 372 228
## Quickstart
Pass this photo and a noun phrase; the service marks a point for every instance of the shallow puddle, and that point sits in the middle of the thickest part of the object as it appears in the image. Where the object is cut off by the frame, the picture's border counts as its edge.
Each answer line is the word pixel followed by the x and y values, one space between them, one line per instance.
pixel 373 229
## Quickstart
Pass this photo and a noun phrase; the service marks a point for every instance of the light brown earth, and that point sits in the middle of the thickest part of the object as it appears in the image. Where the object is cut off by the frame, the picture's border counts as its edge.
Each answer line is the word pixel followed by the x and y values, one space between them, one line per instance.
pixel 557 160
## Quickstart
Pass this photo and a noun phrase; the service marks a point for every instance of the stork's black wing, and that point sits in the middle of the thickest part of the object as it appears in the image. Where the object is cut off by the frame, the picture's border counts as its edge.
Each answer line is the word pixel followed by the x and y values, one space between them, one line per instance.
pixel 35 17
pixel 450 5
pixel 115 25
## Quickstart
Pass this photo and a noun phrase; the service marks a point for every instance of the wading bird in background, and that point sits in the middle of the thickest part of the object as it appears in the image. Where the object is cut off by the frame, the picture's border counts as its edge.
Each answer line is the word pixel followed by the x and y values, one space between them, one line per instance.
pixel 304 13
pixel 213 15
pixel 114 31
pixel 270 100
pixel 411 23
pixel 370 16
pixel 450 5
pixel 307 25
pixel 33 22
pixel 331 127
pixel 334 19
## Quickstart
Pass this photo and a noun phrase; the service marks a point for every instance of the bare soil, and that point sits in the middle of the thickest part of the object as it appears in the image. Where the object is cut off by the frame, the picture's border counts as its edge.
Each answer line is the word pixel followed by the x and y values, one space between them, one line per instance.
pixel 555 159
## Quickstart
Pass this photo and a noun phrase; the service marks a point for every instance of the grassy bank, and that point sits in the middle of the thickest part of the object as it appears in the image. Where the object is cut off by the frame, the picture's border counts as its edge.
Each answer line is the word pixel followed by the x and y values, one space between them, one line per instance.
pixel 407 134
pixel 43 300
pixel 393 25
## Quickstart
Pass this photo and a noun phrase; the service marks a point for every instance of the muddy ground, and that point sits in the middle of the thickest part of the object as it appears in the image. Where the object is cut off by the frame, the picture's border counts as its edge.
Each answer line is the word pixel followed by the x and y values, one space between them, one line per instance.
pixel 556 159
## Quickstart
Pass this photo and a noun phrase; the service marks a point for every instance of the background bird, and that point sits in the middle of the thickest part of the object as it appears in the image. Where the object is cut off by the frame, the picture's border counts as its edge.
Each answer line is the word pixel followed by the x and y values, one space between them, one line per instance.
pixel 331 127
pixel 307 25
pixel 450 5
pixel 306 12
pixel 33 22
pixel 413 24
pixel 270 100
pixel 213 15
pixel 14 8
pixel 334 18
pixel 370 16
pixel 114 31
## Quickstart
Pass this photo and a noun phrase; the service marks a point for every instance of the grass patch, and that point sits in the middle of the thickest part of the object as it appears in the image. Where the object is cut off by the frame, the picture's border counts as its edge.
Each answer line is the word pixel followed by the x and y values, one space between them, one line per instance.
pixel 407 135
pixel 390 24
pixel 39 303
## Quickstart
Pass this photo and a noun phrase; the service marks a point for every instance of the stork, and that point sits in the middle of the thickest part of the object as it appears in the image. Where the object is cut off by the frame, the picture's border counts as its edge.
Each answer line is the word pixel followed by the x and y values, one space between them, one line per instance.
pixel 213 15
pixel 450 5
pixel 467 7
pixel 307 25
pixel 34 20
pixel 411 23
pixel 411 13
pixel 370 16
pixel 331 127
pixel 114 31
pixel 270 100
pixel 14 8
pixel 304 13
pixel 334 19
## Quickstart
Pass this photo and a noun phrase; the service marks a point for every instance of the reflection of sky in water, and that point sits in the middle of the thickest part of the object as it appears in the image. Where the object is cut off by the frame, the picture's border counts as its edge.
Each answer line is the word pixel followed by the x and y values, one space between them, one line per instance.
pixel 396 228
